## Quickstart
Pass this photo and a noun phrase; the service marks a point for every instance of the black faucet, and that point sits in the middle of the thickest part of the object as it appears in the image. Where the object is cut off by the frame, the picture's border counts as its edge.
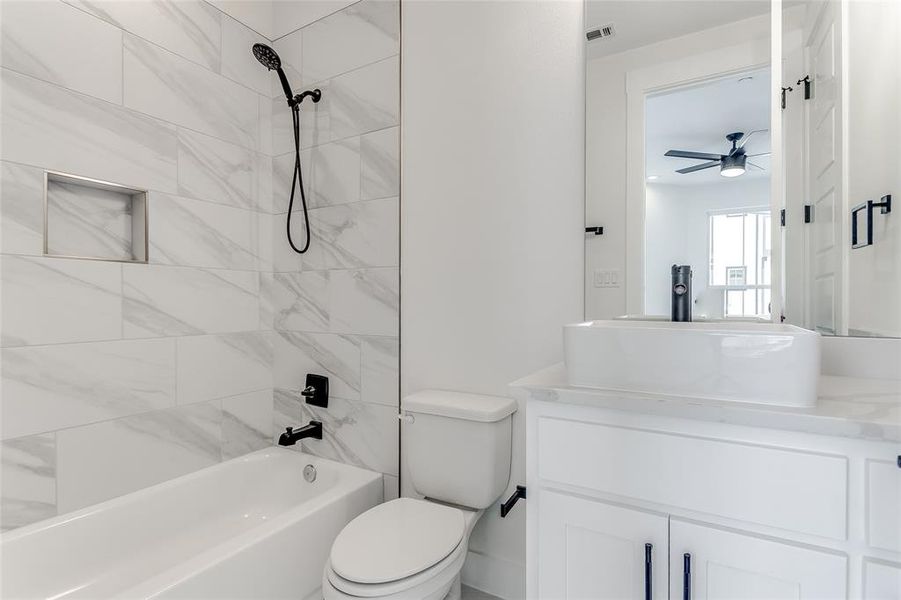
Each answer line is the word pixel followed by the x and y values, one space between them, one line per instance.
pixel 292 436
pixel 681 293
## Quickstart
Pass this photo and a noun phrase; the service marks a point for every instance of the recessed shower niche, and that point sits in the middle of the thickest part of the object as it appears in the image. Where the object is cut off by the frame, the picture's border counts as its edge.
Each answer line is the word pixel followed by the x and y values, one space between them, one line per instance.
pixel 89 218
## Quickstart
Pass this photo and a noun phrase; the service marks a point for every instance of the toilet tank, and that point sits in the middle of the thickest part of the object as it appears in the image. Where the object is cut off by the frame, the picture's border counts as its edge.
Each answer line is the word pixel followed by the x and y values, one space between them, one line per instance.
pixel 458 446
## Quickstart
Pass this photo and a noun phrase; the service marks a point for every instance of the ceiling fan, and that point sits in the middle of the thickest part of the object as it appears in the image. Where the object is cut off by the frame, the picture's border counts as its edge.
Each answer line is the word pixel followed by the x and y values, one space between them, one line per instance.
pixel 731 165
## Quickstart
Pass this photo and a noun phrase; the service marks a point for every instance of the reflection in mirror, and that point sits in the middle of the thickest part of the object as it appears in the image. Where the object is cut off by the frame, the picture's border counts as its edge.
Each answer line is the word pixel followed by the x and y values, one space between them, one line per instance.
pixel 677 157
pixel 841 130
pixel 707 195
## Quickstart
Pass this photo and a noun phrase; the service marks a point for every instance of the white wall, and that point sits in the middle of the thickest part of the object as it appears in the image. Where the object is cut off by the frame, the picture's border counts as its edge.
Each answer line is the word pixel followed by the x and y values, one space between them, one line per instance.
pixel 874 163
pixel 605 142
pixel 491 214
pixel 677 232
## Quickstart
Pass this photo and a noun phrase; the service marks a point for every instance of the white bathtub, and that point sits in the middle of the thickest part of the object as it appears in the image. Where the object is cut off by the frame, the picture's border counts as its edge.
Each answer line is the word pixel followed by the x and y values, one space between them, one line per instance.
pixel 251 527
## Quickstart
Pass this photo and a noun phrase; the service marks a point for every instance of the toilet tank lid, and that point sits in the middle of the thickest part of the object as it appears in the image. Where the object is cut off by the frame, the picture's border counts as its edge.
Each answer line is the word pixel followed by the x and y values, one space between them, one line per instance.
pixel 459 405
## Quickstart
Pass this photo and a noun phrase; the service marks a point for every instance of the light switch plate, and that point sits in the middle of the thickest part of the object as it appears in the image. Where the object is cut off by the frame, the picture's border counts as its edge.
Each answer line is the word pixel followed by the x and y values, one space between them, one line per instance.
pixel 607 278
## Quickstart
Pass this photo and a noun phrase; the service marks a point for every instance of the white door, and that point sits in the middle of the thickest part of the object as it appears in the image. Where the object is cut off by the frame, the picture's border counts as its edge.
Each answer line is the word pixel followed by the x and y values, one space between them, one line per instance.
pixel 591 550
pixel 723 565
pixel 823 114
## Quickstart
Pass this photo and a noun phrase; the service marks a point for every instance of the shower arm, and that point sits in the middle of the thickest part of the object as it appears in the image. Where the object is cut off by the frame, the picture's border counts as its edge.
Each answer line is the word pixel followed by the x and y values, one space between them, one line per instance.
pixel 315 95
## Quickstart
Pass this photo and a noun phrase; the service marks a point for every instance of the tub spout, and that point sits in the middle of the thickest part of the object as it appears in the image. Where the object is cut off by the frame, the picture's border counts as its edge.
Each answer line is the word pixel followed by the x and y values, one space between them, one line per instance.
pixel 292 436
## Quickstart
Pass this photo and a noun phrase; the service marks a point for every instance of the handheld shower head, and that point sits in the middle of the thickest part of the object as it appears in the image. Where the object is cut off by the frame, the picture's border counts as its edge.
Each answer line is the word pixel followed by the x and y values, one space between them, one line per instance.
pixel 269 59
pixel 267 56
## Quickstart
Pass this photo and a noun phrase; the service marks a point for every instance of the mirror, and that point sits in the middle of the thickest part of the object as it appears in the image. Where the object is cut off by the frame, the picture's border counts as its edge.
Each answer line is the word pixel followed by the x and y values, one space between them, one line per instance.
pixel 690 160
pixel 841 126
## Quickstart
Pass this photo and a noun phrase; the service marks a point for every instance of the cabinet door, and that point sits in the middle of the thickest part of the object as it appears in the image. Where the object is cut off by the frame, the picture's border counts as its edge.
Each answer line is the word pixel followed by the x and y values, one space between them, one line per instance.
pixel 593 550
pixel 734 566
pixel 881 580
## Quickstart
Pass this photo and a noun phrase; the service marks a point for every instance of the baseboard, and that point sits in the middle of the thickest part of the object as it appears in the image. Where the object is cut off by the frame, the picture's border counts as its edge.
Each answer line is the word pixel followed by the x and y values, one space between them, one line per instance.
pixel 494 575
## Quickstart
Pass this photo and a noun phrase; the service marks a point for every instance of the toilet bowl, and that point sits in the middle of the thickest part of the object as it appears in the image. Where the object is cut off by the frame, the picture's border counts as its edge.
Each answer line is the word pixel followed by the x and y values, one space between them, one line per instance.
pixel 458 449
pixel 405 549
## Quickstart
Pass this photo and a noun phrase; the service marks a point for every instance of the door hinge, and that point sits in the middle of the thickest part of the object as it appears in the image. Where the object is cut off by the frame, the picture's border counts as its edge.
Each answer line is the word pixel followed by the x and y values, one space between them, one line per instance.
pixel 808 213
pixel 806 82
pixel 782 217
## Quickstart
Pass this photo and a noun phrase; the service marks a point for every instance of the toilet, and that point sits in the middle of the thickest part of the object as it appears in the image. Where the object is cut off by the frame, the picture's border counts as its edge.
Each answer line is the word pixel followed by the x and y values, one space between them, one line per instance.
pixel 457 447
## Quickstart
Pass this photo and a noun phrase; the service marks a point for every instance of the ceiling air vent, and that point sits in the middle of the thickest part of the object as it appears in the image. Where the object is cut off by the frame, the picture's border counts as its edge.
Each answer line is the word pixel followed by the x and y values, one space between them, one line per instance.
pixel 603 32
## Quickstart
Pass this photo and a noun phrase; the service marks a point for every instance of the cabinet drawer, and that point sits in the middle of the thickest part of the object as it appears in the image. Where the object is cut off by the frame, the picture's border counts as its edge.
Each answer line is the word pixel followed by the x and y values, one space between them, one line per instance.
pixel 884 505
pixel 789 489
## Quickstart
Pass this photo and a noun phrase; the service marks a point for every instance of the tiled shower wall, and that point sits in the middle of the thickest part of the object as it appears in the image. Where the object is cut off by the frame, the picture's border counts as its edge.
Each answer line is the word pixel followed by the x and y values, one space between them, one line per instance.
pixel 336 307
pixel 118 376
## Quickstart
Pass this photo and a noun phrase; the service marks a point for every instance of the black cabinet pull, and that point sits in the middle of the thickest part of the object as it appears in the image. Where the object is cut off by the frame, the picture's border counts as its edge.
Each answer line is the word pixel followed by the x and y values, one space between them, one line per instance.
pixel 686 576
pixel 648 571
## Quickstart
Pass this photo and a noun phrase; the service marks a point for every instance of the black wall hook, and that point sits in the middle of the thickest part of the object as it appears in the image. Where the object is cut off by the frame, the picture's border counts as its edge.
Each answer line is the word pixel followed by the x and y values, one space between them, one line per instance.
pixel 507 506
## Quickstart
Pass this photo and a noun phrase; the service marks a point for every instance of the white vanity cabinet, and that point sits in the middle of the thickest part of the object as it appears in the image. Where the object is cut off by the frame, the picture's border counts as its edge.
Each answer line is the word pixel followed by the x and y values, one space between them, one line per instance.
pixel 763 514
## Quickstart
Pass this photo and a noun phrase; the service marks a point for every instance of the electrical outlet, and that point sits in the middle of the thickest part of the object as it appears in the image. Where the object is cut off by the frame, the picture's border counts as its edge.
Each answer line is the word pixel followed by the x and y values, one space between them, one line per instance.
pixel 607 278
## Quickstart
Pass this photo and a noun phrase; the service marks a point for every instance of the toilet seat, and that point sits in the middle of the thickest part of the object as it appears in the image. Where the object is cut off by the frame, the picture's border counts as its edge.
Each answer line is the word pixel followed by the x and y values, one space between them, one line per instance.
pixel 365 550
pixel 435 580
pixel 396 540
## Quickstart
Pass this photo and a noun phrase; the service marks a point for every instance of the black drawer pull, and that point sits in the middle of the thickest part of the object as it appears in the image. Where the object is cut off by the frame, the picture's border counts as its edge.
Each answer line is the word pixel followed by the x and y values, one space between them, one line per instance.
pixel 648 571
pixel 686 576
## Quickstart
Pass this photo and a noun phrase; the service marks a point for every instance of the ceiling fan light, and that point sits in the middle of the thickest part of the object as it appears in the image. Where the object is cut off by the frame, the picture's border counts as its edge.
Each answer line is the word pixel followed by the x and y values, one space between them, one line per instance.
pixel 733 166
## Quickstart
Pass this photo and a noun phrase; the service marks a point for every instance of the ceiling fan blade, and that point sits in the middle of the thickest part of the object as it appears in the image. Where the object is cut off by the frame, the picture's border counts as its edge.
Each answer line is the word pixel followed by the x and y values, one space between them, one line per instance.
pixel 758 154
pixel 747 137
pixel 697 155
pixel 700 167
pixel 756 166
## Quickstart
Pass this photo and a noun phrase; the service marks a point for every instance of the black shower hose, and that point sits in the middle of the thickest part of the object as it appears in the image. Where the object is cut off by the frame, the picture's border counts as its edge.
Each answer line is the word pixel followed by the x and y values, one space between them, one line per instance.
pixel 296 179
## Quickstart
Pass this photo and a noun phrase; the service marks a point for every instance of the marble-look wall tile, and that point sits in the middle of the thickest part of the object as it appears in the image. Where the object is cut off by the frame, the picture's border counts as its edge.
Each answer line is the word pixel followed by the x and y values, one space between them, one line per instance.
pixel 287 411
pixel 63 45
pixel 380 164
pixel 189 28
pixel 169 87
pixel 246 423
pixel 66 385
pixel 238 62
pixel 335 356
pixel 264 232
pixel 88 222
pixel 301 301
pixel 216 171
pixel 316 120
pixel 267 301
pixel 380 378
pixel 55 300
pixel 365 301
pixel 28 477
pixel 43 124
pixel 21 209
pixel 335 170
pixel 216 366
pixel 262 182
pixel 363 33
pixel 356 433
pixel 284 258
pixel 283 177
pixel 104 460
pixel 201 234
pixel 171 301
pixel 294 15
pixel 365 100
pixel 362 234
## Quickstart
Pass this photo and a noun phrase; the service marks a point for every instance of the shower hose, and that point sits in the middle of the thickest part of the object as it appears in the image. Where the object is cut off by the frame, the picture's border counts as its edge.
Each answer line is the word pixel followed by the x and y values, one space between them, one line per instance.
pixel 297 179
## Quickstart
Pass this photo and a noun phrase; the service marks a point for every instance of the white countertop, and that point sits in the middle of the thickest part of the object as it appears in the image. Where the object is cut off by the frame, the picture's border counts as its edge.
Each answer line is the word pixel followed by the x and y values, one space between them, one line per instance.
pixel 867 409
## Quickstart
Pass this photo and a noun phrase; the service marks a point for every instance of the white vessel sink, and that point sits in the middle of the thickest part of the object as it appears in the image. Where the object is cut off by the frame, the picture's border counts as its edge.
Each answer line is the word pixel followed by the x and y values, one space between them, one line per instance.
pixel 747 362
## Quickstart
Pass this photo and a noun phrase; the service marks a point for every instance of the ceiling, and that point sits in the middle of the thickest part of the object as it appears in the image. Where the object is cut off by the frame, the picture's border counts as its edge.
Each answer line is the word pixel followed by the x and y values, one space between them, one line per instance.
pixel 642 22
pixel 698 118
